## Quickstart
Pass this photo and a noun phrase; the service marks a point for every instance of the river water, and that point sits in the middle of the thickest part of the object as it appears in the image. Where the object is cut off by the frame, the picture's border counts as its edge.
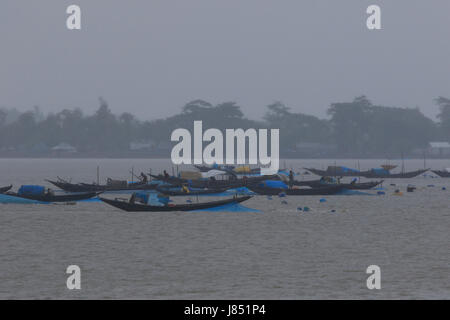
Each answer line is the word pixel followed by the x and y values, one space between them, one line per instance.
pixel 277 253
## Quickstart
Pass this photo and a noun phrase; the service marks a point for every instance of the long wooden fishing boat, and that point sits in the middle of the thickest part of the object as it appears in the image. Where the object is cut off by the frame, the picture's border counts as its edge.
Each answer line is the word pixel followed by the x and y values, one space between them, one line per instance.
pixel 351 186
pixel 214 184
pixel 333 171
pixel 192 192
pixel 442 173
pixel 136 207
pixel 296 192
pixel 387 175
pixel 373 173
pixel 49 197
pixel 87 187
pixel 5 189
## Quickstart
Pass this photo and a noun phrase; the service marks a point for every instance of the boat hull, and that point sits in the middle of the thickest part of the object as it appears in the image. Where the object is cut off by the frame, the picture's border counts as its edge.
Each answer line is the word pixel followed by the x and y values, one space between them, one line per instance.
pixel 330 190
pixel 170 192
pixel 350 186
pixel 442 174
pixel 137 207
pixel 56 198
pixel 5 189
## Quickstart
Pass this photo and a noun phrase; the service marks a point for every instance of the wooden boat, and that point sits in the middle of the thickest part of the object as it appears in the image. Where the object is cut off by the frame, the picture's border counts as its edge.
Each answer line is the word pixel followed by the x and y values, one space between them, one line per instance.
pixel 372 174
pixel 203 168
pixel 296 192
pixel 135 207
pixel 333 171
pixel 351 186
pixel 5 189
pixel 86 187
pixel 405 175
pixel 50 197
pixel 180 192
pixel 442 173
pixel 214 184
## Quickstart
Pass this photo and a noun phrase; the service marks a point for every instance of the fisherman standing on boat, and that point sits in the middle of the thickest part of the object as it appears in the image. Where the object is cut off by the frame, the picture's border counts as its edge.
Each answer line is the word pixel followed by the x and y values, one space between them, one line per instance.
pixel 144 178
pixel 291 179
pixel 166 175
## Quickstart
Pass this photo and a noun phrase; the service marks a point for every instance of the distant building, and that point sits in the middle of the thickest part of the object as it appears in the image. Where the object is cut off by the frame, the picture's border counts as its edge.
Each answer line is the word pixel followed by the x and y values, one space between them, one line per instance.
pixel 64 147
pixel 439 148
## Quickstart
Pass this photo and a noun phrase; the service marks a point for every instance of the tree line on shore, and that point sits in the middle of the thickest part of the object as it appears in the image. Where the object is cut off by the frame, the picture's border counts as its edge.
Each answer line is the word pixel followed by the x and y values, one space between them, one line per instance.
pixel 358 127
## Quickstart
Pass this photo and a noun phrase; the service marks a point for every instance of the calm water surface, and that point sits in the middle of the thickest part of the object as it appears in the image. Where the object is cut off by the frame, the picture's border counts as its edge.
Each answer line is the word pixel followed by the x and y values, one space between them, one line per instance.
pixel 278 253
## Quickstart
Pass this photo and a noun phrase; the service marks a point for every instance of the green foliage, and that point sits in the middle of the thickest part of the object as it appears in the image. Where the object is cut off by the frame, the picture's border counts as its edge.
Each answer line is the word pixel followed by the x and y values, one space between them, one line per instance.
pixel 357 128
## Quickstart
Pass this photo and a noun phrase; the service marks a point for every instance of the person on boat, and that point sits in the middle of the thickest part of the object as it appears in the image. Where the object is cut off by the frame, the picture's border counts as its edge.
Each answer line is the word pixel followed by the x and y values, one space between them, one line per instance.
pixel 291 179
pixel 144 178
pixel 166 175
pixel 353 181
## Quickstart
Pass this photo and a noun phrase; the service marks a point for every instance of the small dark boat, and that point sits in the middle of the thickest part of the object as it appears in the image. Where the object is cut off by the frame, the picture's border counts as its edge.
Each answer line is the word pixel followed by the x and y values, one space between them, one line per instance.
pixel 203 168
pixel 374 174
pixel 336 171
pixel 50 197
pixel 333 171
pixel 214 184
pixel 351 186
pixel 296 192
pixel 5 189
pixel 91 187
pixel 180 192
pixel 442 173
pixel 135 207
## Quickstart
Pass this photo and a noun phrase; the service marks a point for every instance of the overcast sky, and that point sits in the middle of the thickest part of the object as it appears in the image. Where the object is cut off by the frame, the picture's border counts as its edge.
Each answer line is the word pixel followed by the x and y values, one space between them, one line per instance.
pixel 150 57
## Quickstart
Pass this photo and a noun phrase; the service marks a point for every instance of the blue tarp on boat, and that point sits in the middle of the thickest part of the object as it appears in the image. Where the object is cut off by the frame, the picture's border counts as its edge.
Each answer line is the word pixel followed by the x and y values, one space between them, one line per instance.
pixel 273 184
pixel 31 190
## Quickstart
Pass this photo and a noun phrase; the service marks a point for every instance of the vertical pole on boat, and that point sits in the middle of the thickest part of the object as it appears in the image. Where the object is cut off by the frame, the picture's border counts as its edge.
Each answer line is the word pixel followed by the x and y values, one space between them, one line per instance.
pixel 177 170
pixel 403 164
pixel 359 174
pixel 150 174
pixel 98 175
pixel 173 172
pixel 335 169
pixel 132 174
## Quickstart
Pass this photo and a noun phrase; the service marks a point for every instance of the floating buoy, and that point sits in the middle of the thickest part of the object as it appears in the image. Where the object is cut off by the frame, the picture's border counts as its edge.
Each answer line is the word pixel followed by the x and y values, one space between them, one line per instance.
pixel 305 208
pixel 284 202
pixel 333 210
pixel 444 188
pixel 410 188
pixel 323 200
pixel 299 208
pixel 282 195
pixel 398 193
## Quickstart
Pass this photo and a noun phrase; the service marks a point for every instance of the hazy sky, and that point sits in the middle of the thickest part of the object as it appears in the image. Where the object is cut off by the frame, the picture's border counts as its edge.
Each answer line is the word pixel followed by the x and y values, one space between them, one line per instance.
pixel 151 57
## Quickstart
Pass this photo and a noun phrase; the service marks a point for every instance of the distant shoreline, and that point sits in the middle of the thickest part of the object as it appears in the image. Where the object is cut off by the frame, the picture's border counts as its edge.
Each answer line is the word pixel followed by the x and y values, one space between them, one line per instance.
pixel 164 157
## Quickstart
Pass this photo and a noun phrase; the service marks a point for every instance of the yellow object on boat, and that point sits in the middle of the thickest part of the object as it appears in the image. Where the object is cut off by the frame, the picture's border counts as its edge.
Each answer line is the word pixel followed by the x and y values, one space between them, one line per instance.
pixel 242 169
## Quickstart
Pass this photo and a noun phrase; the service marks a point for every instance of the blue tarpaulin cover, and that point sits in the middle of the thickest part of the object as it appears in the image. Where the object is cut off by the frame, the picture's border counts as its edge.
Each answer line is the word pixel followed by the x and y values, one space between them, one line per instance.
pixel 273 184
pixel 31 190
